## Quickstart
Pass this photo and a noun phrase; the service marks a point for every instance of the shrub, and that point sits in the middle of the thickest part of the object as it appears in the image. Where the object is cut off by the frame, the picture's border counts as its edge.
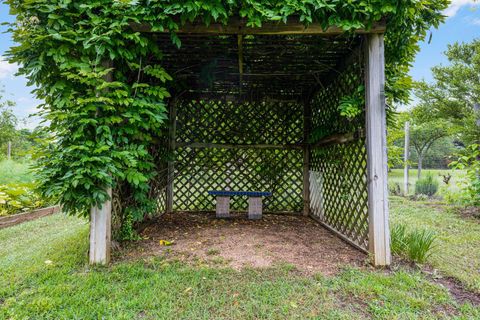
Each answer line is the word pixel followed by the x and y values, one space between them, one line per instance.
pixel 415 245
pixel 427 185
pixel 469 161
pixel 394 189
pixel 18 197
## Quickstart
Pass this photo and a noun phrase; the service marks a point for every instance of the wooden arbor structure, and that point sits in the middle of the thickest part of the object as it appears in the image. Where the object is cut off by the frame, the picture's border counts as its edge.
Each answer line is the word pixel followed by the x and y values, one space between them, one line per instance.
pixel 257 109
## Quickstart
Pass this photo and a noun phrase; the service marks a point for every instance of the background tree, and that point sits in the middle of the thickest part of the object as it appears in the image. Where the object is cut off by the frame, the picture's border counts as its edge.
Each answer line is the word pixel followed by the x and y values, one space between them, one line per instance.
pixel 454 96
pixel 455 90
pixel 424 135
pixel 8 122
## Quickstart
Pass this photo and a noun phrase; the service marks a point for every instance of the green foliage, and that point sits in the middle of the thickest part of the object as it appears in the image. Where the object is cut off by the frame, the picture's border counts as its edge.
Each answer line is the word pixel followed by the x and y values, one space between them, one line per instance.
pixel 427 185
pixel 415 245
pixel 455 90
pixel 395 139
pixel 352 106
pixel 19 197
pixel 18 189
pixel 423 134
pixel 104 132
pixel 470 161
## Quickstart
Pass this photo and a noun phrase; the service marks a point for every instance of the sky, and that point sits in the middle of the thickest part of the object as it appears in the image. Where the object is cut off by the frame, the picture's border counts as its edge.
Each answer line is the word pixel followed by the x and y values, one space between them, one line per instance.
pixel 462 25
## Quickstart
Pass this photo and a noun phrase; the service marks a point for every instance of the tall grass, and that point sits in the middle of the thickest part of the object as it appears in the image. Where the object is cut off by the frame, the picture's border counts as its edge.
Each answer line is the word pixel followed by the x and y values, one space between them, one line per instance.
pixel 415 245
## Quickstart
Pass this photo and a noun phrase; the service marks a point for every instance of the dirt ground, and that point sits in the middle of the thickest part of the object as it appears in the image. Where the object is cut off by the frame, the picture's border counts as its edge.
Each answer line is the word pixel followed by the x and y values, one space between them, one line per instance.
pixel 239 242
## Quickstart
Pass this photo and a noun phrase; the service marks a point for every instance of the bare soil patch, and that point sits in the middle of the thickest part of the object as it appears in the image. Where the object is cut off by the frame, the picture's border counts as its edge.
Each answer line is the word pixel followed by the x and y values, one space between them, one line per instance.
pixel 455 287
pixel 469 212
pixel 239 242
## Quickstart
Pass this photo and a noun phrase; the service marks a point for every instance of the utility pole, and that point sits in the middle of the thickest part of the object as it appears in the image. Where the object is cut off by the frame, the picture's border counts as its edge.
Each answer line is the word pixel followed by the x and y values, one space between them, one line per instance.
pixel 405 155
pixel 9 150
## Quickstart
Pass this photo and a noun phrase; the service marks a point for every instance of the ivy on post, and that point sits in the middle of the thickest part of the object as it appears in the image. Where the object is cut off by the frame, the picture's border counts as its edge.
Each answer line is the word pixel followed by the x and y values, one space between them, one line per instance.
pixel 379 233
pixel 101 217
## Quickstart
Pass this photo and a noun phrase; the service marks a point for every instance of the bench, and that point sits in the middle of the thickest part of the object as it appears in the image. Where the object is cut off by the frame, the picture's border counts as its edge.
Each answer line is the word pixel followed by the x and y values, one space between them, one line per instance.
pixel 254 202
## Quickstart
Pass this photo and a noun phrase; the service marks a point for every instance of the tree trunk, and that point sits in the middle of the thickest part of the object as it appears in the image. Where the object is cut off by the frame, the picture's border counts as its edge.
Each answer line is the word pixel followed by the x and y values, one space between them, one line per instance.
pixel 419 171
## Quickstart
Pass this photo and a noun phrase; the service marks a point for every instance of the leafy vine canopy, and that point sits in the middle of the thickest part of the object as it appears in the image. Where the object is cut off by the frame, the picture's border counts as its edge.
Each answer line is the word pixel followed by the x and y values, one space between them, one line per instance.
pixel 105 93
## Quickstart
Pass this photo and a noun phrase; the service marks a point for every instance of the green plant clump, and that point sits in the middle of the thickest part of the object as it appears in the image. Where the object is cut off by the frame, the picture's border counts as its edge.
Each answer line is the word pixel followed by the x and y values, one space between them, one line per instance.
pixel 470 162
pixel 19 197
pixel 415 245
pixel 427 186
pixel 106 133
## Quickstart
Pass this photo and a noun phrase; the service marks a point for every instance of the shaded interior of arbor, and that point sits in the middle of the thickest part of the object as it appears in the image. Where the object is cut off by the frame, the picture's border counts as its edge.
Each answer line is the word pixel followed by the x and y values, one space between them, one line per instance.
pixel 257 113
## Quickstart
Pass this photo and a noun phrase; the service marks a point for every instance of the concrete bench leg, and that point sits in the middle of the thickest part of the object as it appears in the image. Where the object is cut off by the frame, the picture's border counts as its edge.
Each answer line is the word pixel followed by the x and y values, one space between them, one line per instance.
pixel 255 208
pixel 223 207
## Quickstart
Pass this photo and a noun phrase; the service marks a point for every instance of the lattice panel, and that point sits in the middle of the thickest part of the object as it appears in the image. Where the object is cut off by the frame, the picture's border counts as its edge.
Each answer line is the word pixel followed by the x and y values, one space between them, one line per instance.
pixel 339 177
pixel 326 119
pixel 246 123
pixel 200 170
pixel 238 145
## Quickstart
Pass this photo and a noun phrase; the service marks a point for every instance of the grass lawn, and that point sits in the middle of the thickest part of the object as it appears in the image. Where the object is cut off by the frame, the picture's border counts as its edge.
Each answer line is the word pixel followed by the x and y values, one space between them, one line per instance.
pixel 15 172
pixel 457 249
pixel 44 275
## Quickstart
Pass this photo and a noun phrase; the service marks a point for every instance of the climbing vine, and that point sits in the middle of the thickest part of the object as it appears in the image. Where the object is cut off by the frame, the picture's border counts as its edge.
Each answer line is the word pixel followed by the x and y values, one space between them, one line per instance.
pixel 104 131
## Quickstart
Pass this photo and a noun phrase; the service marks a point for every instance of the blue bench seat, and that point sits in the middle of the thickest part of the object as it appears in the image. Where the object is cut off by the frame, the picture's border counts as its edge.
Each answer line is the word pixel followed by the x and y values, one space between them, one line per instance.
pixel 227 193
pixel 254 202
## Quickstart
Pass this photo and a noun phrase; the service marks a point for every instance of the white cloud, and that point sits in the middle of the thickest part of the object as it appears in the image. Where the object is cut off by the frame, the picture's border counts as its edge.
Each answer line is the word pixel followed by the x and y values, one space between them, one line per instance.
pixel 456 5
pixel 7 69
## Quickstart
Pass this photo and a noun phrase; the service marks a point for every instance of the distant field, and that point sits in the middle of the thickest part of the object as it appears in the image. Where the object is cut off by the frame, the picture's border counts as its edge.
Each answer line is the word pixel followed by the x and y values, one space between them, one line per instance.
pixel 15 172
pixel 396 176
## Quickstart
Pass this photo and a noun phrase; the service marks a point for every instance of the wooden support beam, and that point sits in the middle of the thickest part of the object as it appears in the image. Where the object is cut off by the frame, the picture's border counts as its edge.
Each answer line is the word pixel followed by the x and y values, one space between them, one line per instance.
pixel 101 216
pixel 171 148
pixel 338 138
pixel 376 142
pixel 201 145
pixel 307 117
pixel 239 26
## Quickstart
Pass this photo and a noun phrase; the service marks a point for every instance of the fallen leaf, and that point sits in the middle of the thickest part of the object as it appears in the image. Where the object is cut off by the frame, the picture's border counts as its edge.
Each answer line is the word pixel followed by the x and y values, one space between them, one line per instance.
pixel 165 242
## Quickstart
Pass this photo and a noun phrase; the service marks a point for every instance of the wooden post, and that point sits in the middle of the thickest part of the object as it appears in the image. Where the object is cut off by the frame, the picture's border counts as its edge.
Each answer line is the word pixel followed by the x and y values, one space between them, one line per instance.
pixel 171 147
pixel 9 150
pixel 100 232
pixel 376 142
pixel 307 115
pixel 101 218
pixel 405 155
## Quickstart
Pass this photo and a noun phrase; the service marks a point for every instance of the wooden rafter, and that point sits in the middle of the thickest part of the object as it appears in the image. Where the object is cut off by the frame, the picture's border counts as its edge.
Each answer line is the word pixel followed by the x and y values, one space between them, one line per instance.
pixel 239 26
